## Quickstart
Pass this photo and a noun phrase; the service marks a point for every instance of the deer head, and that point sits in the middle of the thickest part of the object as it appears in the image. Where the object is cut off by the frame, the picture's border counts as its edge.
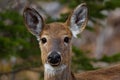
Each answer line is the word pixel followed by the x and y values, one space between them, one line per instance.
pixel 55 38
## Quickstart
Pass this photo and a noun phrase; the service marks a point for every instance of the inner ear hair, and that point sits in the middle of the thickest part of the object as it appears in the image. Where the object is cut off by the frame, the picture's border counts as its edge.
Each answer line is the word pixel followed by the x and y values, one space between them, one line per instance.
pixel 78 19
pixel 68 21
pixel 33 21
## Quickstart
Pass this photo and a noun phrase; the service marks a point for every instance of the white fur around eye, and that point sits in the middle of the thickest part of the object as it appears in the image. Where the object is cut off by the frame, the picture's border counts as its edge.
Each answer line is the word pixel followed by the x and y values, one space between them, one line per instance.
pixel 66 44
pixel 43 36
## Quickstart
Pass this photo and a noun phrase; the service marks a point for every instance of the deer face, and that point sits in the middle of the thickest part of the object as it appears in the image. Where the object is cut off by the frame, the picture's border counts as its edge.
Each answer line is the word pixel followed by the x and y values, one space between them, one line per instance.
pixel 55 44
pixel 55 38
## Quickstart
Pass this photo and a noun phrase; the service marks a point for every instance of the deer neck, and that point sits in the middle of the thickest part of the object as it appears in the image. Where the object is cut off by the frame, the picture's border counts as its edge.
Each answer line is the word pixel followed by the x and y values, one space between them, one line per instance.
pixel 59 73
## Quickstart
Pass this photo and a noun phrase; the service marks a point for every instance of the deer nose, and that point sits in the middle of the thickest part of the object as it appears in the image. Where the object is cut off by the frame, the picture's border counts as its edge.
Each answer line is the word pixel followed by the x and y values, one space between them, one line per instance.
pixel 54 58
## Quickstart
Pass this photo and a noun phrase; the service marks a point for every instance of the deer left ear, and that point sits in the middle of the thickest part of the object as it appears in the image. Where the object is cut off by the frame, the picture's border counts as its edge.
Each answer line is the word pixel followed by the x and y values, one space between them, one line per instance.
pixel 33 21
pixel 78 20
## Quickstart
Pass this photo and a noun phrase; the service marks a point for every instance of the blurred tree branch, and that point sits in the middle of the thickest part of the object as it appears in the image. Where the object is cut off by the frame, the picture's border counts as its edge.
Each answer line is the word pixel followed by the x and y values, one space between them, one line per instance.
pixel 27 68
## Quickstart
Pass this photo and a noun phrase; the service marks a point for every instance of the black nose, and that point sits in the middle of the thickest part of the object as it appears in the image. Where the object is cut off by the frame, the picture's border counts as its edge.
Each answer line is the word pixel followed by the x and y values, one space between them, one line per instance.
pixel 54 58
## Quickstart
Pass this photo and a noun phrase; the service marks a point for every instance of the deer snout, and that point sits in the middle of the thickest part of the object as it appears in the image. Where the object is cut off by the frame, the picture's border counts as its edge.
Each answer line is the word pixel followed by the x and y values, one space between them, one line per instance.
pixel 54 58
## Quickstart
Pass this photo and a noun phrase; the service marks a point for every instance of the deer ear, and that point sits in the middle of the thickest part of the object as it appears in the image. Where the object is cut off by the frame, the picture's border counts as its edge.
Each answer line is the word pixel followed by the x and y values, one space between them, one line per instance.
pixel 33 21
pixel 78 19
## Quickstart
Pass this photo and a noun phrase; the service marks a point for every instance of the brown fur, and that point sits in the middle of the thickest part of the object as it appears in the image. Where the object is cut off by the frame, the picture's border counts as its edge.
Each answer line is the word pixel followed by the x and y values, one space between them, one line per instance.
pixel 112 73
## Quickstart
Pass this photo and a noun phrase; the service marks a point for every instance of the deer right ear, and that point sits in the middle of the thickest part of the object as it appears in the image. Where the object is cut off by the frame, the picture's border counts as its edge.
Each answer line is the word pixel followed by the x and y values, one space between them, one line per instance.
pixel 78 19
pixel 33 21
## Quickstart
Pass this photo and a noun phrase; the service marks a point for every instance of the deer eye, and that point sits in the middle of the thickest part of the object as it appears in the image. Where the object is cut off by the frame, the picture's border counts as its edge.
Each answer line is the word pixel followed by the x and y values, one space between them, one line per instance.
pixel 66 39
pixel 43 40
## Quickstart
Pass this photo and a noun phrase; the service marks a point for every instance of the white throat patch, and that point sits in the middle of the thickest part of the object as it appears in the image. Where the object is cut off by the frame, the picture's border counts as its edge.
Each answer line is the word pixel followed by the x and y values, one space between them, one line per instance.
pixel 51 71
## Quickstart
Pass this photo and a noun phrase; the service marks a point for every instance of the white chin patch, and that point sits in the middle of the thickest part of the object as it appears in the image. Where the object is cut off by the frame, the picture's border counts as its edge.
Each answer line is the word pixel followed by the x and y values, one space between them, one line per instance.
pixel 51 71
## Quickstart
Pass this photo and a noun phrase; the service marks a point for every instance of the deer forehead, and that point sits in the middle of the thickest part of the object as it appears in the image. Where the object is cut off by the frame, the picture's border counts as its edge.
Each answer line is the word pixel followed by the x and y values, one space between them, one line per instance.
pixel 56 30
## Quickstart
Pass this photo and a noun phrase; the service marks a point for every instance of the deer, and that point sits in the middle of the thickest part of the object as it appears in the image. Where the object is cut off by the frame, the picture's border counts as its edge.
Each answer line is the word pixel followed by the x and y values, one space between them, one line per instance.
pixel 55 41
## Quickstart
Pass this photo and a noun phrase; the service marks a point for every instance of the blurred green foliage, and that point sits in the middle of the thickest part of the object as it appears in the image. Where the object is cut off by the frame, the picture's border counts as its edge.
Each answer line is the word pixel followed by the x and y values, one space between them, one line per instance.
pixel 80 60
pixel 95 6
pixel 15 40
pixel 110 59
